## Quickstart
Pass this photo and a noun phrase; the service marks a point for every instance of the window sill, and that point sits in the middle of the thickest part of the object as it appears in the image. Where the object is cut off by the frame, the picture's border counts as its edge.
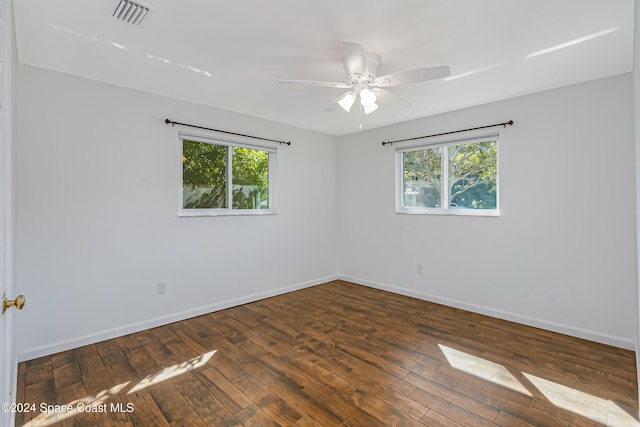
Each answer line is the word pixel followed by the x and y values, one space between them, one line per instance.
pixel 453 212
pixel 186 213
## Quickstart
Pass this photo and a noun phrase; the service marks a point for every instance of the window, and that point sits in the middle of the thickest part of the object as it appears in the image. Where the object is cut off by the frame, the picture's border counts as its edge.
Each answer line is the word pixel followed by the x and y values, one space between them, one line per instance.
pixel 454 177
pixel 222 177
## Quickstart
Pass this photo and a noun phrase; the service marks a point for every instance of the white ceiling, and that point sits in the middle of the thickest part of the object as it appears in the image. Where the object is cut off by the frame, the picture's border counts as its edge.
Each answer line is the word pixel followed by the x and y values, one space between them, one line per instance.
pixel 230 54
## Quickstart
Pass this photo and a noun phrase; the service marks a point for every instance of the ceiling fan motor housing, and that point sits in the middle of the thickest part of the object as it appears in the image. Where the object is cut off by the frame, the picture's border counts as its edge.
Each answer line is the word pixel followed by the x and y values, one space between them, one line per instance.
pixel 371 71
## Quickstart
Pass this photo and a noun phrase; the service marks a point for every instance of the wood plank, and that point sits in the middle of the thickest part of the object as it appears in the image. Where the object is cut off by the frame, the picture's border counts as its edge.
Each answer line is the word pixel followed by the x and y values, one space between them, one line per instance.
pixel 452 410
pixel 224 390
pixel 170 401
pixel 205 404
pixel 146 413
pixel 253 416
pixel 435 419
pixel 505 420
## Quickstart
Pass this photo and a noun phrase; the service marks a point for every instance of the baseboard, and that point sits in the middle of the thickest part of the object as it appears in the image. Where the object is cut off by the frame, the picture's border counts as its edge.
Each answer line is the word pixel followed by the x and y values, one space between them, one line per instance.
pixel 512 317
pixel 160 321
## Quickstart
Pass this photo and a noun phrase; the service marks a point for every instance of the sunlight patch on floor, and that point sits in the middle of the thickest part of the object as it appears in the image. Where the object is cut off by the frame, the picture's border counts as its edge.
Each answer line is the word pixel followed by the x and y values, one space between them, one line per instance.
pixel 483 368
pixel 595 408
pixel 173 371
pixel 52 414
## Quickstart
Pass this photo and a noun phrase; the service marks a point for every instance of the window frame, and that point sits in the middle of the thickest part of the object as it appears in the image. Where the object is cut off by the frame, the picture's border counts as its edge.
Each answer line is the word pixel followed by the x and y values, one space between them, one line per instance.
pixel 469 138
pixel 229 142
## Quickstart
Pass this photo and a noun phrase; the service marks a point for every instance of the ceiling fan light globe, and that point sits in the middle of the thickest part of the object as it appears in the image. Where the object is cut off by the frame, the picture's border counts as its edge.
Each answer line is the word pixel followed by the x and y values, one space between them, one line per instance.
pixel 367 97
pixel 368 109
pixel 346 101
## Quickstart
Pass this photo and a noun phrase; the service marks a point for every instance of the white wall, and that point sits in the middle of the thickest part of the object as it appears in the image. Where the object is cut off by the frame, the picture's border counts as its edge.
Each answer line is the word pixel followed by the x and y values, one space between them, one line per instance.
pixel 97 195
pixel 98 178
pixel 561 256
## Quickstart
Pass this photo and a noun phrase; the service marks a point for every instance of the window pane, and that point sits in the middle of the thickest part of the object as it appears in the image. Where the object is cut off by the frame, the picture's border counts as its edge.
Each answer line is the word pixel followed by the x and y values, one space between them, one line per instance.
pixel 204 175
pixel 473 175
pixel 421 178
pixel 250 178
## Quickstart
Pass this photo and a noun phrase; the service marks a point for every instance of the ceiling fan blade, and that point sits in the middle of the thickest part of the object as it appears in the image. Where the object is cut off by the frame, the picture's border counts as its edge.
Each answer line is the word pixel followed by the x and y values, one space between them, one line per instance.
pixel 388 97
pixel 413 76
pixel 354 59
pixel 314 83
pixel 331 107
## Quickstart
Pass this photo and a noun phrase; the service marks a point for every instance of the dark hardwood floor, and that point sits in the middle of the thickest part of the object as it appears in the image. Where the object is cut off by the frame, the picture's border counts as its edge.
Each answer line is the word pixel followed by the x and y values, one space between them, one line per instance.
pixel 336 354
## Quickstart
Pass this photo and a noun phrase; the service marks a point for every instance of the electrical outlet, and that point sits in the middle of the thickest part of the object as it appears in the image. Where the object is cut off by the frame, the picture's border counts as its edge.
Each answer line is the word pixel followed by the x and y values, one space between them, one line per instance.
pixel 162 288
pixel 420 269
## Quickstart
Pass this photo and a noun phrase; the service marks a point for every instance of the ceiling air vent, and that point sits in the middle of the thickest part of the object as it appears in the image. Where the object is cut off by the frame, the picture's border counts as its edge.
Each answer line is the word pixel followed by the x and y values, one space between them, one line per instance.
pixel 131 12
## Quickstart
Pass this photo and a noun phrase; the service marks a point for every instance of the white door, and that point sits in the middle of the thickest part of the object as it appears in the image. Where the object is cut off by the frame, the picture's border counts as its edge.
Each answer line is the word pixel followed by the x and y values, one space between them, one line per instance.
pixel 8 361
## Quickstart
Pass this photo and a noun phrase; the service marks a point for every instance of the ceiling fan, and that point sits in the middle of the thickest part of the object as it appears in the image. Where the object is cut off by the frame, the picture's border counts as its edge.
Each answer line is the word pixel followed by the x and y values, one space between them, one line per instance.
pixel 362 80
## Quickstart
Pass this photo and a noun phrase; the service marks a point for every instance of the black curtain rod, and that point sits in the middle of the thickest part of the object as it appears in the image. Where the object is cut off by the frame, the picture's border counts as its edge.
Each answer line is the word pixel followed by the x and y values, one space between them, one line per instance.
pixel 510 122
pixel 172 123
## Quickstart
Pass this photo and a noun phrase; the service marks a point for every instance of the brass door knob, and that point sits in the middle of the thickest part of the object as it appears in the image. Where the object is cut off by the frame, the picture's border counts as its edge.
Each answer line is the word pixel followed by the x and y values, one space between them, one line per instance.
pixel 17 303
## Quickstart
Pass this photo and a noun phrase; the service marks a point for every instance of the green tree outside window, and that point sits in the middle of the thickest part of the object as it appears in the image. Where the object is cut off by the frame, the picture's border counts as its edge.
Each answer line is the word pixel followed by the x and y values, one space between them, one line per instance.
pixel 206 176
